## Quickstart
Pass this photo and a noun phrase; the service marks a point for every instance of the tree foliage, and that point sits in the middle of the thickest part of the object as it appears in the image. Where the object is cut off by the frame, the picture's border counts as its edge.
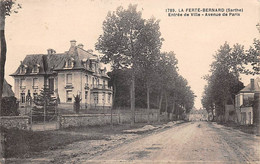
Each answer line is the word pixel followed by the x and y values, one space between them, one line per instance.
pixel 224 81
pixel 132 46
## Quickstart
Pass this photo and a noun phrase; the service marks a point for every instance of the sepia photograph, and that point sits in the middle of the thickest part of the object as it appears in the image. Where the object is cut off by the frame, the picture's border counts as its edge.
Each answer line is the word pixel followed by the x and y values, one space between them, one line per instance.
pixel 129 81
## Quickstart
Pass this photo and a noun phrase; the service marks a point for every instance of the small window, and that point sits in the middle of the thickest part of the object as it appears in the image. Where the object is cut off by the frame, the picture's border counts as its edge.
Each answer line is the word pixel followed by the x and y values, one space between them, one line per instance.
pixel 69 96
pixel 35 69
pixel 69 63
pixel 104 84
pixel 108 98
pixel 23 69
pixel 22 98
pixel 22 83
pixel 69 79
pixel 96 98
pixel 86 95
pixel 103 97
pixel 86 79
pixel 35 83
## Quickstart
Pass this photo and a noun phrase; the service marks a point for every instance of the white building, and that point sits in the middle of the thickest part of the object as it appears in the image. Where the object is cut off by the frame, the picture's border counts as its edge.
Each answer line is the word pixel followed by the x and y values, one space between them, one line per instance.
pixel 76 71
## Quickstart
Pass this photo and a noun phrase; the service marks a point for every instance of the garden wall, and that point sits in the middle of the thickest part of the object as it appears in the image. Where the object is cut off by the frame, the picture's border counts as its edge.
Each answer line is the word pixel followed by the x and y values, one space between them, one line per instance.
pixel 20 122
pixel 75 120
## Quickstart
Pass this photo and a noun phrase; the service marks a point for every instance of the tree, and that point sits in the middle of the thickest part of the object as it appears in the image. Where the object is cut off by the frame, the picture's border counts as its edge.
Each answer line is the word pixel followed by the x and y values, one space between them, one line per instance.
pixel 6 8
pixel 151 42
pixel 121 42
pixel 77 100
pixel 223 83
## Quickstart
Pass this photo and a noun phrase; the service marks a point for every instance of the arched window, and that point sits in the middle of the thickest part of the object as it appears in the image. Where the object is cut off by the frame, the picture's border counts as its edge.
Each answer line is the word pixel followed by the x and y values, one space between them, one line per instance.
pixel 23 69
pixel 69 63
pixel 35 68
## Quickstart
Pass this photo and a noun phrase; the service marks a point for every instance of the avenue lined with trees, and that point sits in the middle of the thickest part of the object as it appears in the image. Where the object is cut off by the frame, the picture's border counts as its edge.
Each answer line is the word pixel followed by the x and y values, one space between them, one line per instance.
pixel 132 46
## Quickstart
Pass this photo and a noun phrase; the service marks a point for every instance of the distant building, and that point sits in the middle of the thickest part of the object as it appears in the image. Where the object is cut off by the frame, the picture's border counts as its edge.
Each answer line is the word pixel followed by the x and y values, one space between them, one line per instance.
pixel 73 72
pixel 7 90
pixel 247 102
pixel 198 115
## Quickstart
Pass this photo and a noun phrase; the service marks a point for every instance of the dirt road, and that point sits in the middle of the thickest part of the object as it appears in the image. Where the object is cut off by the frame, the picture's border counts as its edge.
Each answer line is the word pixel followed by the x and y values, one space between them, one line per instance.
pixel 188 142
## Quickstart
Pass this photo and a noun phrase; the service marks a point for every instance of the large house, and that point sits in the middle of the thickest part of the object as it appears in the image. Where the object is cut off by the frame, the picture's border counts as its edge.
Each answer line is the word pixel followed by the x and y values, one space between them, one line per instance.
pixel 73 72
pixel 247 103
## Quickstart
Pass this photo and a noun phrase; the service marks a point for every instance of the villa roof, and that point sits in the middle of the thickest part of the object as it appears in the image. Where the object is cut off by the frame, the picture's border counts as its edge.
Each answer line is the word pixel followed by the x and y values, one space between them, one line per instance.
pixel 55 61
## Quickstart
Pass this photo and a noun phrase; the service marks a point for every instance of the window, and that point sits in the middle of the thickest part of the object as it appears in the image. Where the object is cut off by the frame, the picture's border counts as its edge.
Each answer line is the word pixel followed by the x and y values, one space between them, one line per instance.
pixel 109 97
pixel 103 97
pixel 86 79
pixel 104 84
pixel 22 83
pixel 23 69
pixel 69 79
pixel 69 63
pixel 96 98
pixel 86 95
pixel 22 98
pixel 35 83
pixel 69 96
pixel 35 69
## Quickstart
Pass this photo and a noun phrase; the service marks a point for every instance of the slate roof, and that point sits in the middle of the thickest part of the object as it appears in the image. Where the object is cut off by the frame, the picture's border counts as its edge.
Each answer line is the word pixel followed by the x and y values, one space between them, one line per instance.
pixel 248 87
pixel 55 61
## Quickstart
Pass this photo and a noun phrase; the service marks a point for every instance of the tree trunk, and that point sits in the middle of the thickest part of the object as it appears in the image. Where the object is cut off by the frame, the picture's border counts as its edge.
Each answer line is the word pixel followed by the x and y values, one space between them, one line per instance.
pixel 132 92
pixel 173 107
pixel 160 106
pixel 2 73
pixel 148 102
pixel 3 50
pixel 166 104
pixel 113 102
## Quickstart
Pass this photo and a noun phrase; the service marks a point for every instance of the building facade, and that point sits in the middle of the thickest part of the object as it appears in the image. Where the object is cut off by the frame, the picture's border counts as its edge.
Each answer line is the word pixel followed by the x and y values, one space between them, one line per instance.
pixel 74 72
pixel 246 102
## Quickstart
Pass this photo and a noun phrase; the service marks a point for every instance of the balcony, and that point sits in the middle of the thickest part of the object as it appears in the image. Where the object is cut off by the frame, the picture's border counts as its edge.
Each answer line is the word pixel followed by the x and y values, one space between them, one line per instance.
pixel 101 87
pixel 69 86
pixel 35 87
pixel 22 87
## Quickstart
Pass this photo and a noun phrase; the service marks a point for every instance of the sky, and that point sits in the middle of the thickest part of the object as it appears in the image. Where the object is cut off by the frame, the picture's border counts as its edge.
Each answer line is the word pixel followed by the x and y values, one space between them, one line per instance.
pixel 43 24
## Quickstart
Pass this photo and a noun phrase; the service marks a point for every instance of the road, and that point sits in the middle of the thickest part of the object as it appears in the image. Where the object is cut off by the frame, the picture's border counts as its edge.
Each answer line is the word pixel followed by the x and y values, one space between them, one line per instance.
pixel 189 142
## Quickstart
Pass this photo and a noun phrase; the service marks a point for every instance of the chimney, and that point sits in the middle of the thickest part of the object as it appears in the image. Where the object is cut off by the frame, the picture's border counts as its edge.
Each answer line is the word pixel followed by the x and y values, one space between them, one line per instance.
pixel 252 84
pixel 51 51
pixel 73 43
pixel 80 46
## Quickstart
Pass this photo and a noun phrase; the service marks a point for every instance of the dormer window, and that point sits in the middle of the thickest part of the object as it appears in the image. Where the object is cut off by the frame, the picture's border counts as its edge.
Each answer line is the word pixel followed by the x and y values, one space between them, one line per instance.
pixel 36 68
pixel 69 63
pixel 23 69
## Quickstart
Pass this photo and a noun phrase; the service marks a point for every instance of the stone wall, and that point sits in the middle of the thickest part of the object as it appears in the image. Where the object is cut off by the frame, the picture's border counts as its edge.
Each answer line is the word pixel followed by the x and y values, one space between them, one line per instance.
pixel 76 120
pixel 20 122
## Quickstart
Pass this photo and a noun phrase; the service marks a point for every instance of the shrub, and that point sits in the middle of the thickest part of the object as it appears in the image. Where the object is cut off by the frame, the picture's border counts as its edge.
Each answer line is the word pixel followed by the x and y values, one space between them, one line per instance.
pixel 9 106
pixel 77 100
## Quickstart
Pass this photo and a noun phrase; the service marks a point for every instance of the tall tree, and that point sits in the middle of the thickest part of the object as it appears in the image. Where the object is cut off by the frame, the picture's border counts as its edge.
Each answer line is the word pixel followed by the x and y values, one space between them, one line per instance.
pixel 151 42
pixel 6 8
pixel 223 83
pixel 121 42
